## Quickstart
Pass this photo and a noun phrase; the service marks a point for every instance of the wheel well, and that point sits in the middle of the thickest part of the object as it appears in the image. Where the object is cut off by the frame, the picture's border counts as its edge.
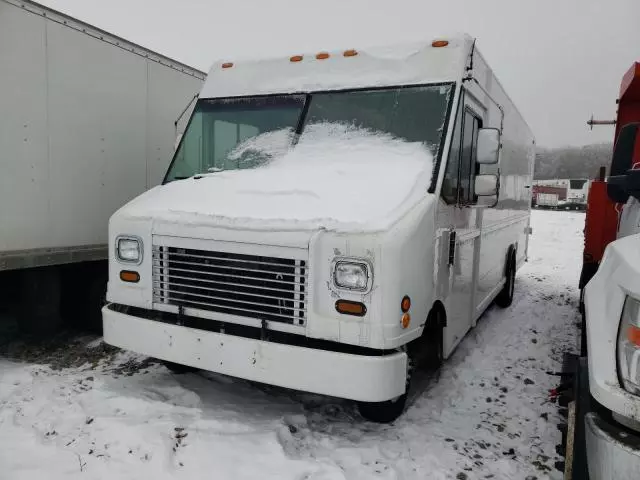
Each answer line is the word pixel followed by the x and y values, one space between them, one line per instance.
pixel 433 319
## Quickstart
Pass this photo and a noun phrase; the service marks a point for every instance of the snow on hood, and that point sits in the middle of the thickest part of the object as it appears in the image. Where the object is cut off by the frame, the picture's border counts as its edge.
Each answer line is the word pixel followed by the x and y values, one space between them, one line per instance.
pixel 337 177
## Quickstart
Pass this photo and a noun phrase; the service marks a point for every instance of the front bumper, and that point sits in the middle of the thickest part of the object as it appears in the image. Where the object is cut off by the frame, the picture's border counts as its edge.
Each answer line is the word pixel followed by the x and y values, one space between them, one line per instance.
pixel 356 377
pixel 613 453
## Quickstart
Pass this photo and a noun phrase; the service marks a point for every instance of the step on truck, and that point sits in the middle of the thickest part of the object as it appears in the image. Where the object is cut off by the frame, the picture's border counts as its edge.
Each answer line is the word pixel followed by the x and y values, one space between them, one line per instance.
pixel 606 419
pixel 330 221
pixel 87 122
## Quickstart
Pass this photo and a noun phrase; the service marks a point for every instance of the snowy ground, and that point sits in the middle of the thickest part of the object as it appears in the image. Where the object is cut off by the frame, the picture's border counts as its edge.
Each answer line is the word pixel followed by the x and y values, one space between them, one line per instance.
pixel 486 414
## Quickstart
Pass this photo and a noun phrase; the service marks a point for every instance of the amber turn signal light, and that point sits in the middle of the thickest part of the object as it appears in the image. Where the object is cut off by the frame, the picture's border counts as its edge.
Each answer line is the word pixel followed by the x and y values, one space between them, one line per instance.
pixel 129 276
pixel 351 308
pixel 405 305
pixel 440 43
pixel 227 65
pixel 405 320
pixel 633 335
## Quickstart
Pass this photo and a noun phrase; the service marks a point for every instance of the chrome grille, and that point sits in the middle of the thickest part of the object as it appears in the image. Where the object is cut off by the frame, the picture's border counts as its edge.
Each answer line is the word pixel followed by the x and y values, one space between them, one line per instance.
pixel 265 288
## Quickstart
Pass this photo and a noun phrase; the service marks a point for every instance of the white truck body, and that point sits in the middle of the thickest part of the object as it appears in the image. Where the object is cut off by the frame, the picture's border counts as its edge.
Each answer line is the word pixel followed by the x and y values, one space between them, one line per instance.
pixel 86 124
pixel 441 251
pixel 547 200
pixel 613 452
pixel 578 191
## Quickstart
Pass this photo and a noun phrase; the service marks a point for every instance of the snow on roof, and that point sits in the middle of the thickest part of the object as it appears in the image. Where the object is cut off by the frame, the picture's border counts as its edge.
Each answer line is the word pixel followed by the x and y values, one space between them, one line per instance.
pixel 403 64
pixel 337 177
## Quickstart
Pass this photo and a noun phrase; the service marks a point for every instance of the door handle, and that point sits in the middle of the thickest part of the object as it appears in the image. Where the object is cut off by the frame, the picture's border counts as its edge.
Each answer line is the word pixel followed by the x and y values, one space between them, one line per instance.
pixel 452 246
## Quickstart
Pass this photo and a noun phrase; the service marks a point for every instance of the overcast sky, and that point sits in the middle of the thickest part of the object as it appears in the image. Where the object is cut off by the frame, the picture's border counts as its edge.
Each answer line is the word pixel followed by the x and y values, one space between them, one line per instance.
pixel 560 60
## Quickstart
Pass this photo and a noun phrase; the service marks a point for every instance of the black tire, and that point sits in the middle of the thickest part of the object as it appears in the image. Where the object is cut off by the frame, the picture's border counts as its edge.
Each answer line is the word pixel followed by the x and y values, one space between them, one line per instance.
pixel 40 300
pixel 383 412
pixel 583 326
pixel 387 412
pixel 427 352
pixel 96 299
pixel 84 293
pixel 505 297
pixel 179 369
pixel 583 406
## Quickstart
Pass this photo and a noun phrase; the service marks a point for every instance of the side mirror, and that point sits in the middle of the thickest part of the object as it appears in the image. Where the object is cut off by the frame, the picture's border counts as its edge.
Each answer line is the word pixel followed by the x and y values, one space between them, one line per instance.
pixel 488 146
pixel 622 162
pixel 486 185
pixel 624 186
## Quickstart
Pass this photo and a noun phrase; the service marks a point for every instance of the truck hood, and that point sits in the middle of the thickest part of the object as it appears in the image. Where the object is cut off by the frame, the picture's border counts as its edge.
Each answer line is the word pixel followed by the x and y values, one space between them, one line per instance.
pixel 348 181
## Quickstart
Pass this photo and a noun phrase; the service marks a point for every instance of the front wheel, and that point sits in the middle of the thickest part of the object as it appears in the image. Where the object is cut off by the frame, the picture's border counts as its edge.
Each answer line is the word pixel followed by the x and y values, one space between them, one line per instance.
pixel 383 412
pixel 387 412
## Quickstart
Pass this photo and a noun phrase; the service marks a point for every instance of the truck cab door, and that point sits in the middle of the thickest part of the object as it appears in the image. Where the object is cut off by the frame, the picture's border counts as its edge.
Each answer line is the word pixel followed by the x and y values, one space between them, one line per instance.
pixel 460 228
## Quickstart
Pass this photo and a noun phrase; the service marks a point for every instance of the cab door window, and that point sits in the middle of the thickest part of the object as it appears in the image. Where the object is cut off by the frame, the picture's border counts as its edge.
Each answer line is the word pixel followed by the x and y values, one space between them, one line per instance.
pixel 459 177
pixel 468 166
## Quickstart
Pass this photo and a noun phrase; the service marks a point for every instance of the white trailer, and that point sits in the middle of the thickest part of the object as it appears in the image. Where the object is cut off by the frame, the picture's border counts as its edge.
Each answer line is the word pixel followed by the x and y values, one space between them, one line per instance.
pixel 329 221
pixel 547 200
pixel 86 124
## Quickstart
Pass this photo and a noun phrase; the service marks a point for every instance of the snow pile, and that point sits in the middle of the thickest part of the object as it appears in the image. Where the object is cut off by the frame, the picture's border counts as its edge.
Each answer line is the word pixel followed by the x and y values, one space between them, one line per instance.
pixel 336 177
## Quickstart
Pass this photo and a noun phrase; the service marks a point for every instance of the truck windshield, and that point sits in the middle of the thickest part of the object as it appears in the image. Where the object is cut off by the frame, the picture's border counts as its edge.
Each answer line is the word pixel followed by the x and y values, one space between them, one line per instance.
pixel 218 126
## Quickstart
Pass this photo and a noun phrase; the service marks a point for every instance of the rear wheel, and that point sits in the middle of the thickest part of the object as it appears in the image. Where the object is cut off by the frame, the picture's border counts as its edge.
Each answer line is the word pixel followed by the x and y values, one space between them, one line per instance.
pixel 505 297
pixel 84 292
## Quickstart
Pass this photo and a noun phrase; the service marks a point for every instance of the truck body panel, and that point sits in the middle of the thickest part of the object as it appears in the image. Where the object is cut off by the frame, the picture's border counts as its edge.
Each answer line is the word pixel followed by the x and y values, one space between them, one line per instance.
pixel 548 200
pixel 87 124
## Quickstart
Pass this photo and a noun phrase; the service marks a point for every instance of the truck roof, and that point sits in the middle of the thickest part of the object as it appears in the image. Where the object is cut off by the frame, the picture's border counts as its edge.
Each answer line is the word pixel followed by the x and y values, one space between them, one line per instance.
pixel 404 64
pixel 102 35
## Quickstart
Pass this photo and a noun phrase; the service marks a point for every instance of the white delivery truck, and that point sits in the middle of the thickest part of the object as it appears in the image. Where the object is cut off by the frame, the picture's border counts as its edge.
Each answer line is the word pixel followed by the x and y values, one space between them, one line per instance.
pixel 86 124
pixel 329 221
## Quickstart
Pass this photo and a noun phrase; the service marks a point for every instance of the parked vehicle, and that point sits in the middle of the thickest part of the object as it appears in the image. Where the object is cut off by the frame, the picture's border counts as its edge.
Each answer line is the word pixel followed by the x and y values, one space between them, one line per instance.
pixel 561 194
pixel 329 222
pixel 87 122
pixel 547 200
pixel 606 430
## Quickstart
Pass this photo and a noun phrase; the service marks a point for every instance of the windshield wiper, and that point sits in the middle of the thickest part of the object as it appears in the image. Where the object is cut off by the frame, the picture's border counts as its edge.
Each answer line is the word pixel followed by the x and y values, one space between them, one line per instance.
pixel 303 117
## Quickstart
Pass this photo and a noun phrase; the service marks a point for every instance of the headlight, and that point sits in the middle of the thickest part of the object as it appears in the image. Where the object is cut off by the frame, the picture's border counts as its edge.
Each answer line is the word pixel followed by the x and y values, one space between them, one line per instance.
pixel 351 275
pixel 629 346
pixel 129 249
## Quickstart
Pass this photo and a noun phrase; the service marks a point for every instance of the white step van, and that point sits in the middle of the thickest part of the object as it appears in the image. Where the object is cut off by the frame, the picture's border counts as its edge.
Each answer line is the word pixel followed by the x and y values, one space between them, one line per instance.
pixel 329 221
